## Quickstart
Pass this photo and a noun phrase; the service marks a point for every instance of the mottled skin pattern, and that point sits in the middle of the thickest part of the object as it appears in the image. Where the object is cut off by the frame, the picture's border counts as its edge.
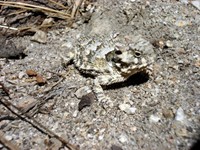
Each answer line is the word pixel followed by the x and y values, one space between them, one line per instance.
pixel 111 60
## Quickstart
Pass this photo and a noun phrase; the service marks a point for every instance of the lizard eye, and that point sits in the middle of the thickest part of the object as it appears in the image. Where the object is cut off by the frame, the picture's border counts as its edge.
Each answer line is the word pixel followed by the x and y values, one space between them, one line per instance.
pixel 137 54
pixel 118 52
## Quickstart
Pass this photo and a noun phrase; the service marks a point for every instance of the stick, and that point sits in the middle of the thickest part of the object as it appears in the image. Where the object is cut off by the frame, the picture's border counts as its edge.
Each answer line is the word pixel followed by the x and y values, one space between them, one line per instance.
pixel 27 118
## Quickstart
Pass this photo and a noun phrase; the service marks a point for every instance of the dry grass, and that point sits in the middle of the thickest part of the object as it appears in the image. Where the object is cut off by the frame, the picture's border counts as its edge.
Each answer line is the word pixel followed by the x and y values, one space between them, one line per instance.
pixel 66 13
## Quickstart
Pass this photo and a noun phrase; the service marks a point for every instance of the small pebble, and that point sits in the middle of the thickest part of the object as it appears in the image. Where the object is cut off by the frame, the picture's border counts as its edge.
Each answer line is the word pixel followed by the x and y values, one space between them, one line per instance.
pixel 176 91
pixel 180 51
pixel 180 116
pixel 122 138
pixel 182 132
pixel 74 25
pixel 21 75
pixel 169 44
pixel 40 80
pixel 132 110
pixel 154 119
pixel 134 128
pixel 8 137
pixel 124 106
pixel 31 73
pixel 181 23
pixel 159 43
pixel 127 108
pixel 75 114
pixel 184 1
pixel 167 113
pixel 101 137
pixel 40 37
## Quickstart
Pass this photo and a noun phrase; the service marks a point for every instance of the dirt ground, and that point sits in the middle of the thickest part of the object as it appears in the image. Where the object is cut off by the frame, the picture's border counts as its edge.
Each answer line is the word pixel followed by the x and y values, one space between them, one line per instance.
pixel 166 106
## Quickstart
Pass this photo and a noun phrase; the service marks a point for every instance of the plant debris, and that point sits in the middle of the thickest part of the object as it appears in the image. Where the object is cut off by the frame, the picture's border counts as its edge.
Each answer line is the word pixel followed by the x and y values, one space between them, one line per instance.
pixel 26 17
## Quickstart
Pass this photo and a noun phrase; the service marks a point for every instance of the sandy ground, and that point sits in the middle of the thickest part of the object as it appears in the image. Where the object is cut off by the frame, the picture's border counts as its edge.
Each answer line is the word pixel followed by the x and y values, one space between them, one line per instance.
pixel 167 106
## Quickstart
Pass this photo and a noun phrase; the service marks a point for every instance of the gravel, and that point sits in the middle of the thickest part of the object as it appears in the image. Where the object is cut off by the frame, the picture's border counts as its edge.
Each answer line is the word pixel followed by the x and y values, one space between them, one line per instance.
pixel 159 113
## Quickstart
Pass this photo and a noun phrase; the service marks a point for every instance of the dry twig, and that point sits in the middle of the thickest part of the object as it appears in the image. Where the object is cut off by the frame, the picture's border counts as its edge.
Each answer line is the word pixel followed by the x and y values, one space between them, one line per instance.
pixel 27 118
pixel 76 6
pixel 59 4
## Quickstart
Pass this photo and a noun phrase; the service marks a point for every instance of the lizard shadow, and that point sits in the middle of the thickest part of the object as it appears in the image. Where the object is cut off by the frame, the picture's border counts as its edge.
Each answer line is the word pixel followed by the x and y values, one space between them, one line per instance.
pixel 9 50
pixel 136 79
pixel 196 145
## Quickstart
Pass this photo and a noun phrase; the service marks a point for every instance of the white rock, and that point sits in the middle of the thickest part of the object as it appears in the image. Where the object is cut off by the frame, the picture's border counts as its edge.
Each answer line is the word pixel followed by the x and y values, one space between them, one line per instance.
pixel 124 106
pixel 122 138
pixel 169 44
pixel 101 137
pixel 90 136
pixel 176 91
pixel 180 116
pixel 127 108
pixel 75 114
pixel 196 4
pixel 21 74
pixel 132 110
pixel 184 1
pixel 154 118
pixel 8 137
pixel 55 126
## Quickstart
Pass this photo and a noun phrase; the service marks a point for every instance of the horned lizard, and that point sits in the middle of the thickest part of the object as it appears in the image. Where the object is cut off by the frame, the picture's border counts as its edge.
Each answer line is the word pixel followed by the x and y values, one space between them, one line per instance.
pixel 111 60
